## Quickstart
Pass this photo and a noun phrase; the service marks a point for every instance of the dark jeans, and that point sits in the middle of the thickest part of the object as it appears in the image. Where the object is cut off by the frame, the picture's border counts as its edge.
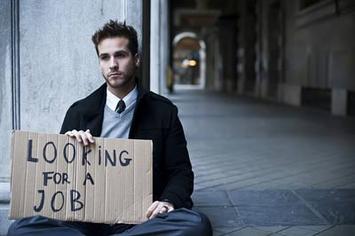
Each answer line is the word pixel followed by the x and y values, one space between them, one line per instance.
pixel 178 222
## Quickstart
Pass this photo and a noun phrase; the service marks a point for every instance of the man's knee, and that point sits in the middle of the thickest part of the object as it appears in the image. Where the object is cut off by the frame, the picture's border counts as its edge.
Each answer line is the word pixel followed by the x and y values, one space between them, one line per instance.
pixel 203 227
pixel 196 223
pixel 21 226
pixel 39 225
pixel 206 227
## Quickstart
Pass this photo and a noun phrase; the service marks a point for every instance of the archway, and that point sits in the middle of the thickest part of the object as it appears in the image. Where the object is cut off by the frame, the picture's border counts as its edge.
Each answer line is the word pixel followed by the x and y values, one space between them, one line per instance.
pixel 189 61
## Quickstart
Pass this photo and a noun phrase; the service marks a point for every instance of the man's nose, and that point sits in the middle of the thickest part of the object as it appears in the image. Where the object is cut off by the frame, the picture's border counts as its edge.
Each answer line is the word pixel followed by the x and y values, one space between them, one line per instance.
pixel 113 63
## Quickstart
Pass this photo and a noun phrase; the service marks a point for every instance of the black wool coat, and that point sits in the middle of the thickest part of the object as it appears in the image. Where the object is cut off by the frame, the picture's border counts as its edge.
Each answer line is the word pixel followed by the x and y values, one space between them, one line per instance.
pixel 155 118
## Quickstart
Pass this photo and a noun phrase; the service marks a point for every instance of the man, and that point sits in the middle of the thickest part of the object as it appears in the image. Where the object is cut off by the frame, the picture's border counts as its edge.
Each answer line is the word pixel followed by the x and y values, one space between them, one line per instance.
pixel 122 109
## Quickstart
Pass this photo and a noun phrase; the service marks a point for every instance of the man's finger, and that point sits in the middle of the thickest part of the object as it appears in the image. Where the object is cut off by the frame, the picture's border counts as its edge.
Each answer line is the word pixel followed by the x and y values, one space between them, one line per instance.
pixel 158 210
pixel 155 213
pixel 89 136
pixel 151 209
pixel 70 133
pixel 170 209
pixel 84 137
pixel 81 136
pixel 91 139
pixel 169 206
pixel 165 209
pixel 78 137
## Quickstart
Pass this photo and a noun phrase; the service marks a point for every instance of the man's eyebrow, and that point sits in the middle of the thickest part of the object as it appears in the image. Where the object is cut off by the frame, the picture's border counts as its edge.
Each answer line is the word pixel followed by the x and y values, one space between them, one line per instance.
pixel 103 54
pixel 118 51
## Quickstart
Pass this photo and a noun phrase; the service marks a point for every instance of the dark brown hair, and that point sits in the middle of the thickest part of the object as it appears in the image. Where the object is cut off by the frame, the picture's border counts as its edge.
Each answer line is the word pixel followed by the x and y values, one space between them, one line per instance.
pixel 113 28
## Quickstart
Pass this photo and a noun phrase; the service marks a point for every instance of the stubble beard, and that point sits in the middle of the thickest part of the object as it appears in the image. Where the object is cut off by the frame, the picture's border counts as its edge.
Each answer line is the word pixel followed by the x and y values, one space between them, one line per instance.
pixel 125 85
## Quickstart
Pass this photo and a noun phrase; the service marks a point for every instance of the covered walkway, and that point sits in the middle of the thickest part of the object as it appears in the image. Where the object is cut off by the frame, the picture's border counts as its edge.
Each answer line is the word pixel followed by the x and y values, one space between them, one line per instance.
pixel 269 169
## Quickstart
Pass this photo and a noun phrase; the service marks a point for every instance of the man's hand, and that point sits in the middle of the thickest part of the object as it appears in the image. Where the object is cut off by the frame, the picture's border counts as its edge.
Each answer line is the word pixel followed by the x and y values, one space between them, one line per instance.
pixel 81 136
pixel 158 208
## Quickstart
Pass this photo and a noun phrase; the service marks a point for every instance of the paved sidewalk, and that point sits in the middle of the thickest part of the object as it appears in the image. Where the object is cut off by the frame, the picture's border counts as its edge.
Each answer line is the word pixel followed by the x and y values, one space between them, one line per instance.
pixel 269 169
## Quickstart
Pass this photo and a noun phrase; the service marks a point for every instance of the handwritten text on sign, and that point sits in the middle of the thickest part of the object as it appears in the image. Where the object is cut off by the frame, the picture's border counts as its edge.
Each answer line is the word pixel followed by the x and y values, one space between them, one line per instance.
pixel 53 175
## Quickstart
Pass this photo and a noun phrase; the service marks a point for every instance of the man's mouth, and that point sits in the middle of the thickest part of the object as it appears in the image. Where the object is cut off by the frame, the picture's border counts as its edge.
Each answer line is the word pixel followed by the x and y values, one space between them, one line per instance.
pixel 115 74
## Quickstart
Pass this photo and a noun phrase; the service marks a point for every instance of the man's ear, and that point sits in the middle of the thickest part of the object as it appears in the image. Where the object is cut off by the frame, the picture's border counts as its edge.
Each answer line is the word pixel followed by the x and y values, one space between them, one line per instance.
pixel 137 60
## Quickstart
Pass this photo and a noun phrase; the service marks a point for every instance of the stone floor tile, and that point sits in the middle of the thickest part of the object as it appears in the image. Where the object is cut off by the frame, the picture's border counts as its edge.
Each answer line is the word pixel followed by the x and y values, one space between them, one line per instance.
pixel 221 216
pixel 315 228
pixel 297 231
pixel 271 229
pixel 225 230
pixel 216 233
pixel 249 231
pixel 336 205
pixel 339 230
pixel 272 207
pixel 210 198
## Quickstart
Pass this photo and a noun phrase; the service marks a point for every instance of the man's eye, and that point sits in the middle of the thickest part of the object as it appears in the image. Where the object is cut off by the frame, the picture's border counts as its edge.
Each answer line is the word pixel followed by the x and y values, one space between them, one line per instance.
pixel 120 55
pixel 104 58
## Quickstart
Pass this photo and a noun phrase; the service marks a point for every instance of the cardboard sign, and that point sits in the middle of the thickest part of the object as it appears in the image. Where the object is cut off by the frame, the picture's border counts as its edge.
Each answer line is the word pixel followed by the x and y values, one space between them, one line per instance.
pixel 55 176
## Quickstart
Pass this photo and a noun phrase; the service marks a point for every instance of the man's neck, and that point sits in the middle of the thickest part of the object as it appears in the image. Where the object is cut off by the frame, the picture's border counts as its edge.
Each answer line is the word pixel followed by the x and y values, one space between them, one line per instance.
pixel 122 92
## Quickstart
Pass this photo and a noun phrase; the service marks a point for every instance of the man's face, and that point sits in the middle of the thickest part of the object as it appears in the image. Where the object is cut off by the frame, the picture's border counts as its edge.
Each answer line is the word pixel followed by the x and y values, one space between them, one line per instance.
pixel 117 63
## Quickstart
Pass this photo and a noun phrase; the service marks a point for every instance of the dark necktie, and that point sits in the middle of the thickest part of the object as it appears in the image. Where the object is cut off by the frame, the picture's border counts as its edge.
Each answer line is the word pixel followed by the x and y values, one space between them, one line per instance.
pixel 120 107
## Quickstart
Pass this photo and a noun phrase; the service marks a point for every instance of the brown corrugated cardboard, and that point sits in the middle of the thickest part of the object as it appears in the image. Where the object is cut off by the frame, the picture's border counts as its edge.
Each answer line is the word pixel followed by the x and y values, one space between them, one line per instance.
pixel 55 176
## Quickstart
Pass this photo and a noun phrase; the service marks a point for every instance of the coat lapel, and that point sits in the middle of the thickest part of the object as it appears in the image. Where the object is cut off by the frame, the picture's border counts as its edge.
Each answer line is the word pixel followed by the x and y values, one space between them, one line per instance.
pixel 93 111
pixel 141 93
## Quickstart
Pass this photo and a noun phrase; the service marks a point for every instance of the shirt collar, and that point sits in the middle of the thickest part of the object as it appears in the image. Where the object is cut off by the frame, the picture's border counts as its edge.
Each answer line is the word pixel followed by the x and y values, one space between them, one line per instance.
pixel 112 100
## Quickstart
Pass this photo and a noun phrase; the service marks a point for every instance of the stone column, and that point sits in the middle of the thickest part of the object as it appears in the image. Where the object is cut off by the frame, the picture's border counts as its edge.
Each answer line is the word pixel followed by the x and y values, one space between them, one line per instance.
pixel 159 44
pixel 6 116
pixel 339 102
pixel 57 60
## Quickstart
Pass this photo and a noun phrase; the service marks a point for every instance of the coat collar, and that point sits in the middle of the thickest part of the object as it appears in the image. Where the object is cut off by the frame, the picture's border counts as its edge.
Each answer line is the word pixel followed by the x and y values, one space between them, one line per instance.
pixel 94 104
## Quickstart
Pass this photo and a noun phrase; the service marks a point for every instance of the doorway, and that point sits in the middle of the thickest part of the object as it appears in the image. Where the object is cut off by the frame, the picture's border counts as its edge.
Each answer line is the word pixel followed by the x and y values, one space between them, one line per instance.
pixel 189 61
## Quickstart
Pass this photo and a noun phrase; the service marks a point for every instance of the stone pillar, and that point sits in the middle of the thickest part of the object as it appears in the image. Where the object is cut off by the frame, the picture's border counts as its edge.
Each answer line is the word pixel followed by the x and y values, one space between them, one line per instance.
pixel 159 44
pixel 155 46
pixel 247 43
pixel 339 102
pixel 228 30
pixel 165 44
pixel 5 88
pixel 57 60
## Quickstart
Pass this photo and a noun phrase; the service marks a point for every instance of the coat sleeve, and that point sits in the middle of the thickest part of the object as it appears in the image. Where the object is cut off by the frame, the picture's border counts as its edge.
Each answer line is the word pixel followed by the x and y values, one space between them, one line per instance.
pixel 71 120
pixel 178 166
